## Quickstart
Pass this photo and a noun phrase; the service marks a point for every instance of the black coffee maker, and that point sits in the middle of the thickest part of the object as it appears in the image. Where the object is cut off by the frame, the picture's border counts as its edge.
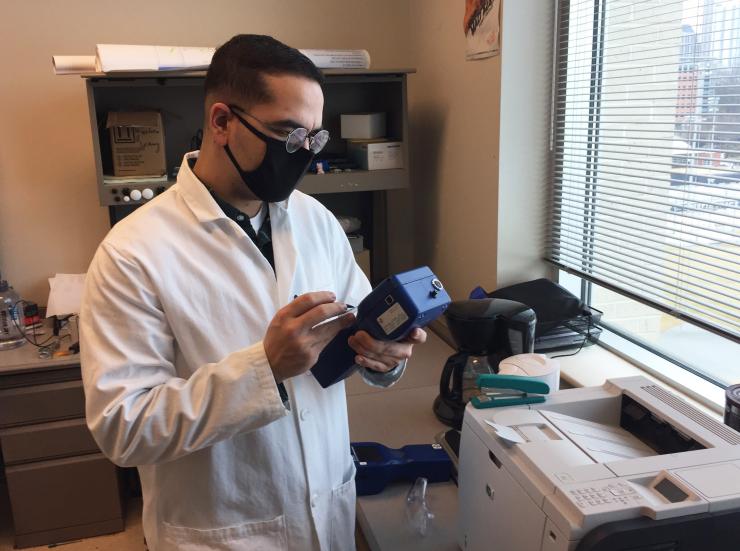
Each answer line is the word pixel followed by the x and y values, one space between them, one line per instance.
pixel 486 331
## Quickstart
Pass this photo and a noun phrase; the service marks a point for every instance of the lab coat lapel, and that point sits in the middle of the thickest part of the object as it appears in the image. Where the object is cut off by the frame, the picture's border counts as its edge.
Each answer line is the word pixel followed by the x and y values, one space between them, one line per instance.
pixel 284 251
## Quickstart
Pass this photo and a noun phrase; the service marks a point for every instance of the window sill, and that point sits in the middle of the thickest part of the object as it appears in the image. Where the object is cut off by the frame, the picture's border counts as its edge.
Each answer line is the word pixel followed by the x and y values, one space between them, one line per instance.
pixel 592 366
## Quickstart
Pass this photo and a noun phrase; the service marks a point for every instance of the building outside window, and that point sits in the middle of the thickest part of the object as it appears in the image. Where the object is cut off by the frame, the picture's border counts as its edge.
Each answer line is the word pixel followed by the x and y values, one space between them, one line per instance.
pixel 646 173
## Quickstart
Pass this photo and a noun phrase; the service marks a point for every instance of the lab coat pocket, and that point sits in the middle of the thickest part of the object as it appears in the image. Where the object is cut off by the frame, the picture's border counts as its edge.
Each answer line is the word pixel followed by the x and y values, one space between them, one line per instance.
pixel 265 535
pixel 343 516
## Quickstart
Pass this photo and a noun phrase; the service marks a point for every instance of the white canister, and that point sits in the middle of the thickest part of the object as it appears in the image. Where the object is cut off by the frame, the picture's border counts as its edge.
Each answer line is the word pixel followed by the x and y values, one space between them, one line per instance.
pixel 536 366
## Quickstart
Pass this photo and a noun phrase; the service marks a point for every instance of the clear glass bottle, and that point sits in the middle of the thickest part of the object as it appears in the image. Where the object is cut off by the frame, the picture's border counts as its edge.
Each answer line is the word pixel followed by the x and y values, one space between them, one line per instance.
pixel 11 318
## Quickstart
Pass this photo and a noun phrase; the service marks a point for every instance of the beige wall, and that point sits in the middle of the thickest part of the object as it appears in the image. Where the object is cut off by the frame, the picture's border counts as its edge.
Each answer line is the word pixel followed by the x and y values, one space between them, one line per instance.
pixel 454 117
pixel 50 220
pixel 524 169
pixel 480 146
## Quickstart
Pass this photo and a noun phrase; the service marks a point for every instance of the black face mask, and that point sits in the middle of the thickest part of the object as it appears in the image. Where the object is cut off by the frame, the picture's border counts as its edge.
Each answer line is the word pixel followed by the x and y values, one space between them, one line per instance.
pixel 279 172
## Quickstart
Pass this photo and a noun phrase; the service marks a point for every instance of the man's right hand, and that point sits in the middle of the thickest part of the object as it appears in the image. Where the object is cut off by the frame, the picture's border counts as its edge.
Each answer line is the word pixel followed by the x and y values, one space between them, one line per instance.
pixel 293 342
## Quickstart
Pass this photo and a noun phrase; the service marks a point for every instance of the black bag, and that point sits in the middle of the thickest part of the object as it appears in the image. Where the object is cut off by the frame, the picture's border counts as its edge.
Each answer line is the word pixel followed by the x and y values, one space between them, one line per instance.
pixel 563 319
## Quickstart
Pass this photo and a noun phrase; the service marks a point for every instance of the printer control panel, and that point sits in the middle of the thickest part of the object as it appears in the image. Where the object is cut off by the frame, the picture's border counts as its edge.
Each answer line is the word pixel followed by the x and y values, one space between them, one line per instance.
pixel 614 493
pixel 657 496
pixel 585 505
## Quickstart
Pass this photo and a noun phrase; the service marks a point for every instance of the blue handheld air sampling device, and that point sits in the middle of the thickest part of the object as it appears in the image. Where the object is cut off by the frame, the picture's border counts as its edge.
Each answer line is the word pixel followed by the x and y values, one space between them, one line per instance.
pixel 390 312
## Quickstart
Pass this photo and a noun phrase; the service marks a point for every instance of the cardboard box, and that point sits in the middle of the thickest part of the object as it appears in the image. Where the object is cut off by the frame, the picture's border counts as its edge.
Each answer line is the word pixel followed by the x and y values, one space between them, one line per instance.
pixel 137 143
pixel 363 261
pixel 376 155
pixel 362 126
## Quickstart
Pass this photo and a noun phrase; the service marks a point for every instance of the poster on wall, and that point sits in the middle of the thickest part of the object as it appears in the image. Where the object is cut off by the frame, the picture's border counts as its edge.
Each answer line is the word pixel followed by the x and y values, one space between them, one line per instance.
pixel 481 26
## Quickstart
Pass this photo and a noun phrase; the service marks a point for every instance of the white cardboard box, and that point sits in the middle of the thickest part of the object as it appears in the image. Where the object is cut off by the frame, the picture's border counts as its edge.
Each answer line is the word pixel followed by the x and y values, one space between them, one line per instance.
pixel 362 126
pixel 357 242
pixel 376 155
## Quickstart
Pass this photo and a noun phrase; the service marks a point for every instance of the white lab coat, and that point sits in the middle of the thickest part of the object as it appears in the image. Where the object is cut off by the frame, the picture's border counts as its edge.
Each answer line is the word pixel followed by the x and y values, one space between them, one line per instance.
pixel 177 301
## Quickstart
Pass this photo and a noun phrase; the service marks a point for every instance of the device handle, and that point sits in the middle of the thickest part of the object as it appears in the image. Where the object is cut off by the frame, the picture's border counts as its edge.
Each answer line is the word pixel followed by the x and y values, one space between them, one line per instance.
pixel 452 371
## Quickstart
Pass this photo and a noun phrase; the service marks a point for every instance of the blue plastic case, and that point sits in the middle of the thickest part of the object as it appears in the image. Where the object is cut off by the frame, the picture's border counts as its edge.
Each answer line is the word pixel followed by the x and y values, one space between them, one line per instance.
pixel 390 312
pixel 377 465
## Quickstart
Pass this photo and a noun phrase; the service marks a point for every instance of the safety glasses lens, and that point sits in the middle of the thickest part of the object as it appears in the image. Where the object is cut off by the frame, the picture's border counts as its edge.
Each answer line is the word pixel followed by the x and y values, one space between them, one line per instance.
pixel 296 139
pixel 319 141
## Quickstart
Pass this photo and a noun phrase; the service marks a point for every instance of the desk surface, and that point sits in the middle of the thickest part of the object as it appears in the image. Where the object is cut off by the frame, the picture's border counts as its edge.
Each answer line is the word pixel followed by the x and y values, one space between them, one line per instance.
pixel 395 417
pixel 26 357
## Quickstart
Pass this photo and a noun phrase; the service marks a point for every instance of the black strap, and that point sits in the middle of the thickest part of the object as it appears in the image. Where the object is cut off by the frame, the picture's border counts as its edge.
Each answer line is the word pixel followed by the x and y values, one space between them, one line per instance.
pixel 263 239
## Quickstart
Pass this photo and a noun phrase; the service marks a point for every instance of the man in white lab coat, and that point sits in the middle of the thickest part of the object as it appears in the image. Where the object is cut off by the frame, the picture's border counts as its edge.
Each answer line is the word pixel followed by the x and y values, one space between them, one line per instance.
pixel 195 349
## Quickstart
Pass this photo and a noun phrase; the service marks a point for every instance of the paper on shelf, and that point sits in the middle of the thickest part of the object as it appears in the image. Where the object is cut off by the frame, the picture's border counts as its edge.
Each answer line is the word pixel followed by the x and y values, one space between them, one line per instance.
pixel 65 294
pixel 73 64
pixel 129 57
pixel 111 58
pixel 339 59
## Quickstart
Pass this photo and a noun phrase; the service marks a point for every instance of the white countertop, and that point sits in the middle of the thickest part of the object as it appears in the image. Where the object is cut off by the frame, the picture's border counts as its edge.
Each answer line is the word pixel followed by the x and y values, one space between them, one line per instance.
pixel 394 417
pixel 26 357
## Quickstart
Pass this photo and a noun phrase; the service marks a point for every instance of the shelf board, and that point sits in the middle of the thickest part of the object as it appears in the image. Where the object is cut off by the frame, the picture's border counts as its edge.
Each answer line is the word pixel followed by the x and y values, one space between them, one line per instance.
pixel 201 74
pixel 357 180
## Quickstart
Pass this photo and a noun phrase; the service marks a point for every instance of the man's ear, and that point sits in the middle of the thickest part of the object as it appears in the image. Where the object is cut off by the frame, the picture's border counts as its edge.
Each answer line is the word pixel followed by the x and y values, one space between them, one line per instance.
pixel 218 118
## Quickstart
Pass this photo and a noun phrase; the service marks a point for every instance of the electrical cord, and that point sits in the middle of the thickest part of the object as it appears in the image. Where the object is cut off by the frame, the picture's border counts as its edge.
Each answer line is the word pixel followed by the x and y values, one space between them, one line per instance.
pixel 586 338
pixel 35 342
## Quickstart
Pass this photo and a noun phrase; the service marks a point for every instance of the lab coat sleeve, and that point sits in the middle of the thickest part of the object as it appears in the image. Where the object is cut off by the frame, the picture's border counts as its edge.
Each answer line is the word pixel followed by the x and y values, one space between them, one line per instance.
pixel 354 285
pixel 138 409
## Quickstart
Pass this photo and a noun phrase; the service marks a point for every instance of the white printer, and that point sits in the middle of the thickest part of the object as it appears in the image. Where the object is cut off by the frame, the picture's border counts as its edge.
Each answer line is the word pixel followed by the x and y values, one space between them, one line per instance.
pixel 627 465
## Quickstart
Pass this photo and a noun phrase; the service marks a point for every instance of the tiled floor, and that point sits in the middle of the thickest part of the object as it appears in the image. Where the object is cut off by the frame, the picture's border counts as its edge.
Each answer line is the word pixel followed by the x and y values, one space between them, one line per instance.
pixel 132 539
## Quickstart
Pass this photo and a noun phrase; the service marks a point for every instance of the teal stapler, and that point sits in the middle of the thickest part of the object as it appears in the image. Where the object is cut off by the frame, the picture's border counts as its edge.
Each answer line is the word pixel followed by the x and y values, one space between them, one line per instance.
pixel 508 390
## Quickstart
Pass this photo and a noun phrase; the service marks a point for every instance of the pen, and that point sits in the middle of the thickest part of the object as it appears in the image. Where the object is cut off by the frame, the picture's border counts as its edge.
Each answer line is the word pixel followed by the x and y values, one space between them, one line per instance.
pixel 349 306
pixel 348 312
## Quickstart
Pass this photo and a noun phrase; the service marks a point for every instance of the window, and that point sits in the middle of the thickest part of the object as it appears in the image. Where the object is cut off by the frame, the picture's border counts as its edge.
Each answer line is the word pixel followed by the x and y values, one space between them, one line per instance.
pixel 646 172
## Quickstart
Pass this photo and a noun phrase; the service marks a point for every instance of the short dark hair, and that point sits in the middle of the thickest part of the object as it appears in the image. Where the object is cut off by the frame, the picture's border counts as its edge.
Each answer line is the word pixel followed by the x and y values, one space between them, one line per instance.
pixel 238 66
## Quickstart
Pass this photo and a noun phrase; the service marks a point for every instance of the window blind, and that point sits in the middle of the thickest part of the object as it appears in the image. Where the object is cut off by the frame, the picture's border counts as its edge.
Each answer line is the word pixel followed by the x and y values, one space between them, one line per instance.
pixel 646 153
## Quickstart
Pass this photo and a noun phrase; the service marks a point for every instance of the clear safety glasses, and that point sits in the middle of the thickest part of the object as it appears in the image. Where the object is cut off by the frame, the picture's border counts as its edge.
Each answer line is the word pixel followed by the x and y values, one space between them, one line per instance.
pixel 294 140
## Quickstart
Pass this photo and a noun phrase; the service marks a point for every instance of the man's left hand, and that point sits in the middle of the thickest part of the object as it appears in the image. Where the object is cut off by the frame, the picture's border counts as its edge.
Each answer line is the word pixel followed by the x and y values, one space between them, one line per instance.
pixel 384 355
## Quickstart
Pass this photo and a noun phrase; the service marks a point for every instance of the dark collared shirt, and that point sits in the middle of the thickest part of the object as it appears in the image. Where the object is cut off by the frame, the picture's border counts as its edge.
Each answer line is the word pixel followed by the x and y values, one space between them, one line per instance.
pixel 262 238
